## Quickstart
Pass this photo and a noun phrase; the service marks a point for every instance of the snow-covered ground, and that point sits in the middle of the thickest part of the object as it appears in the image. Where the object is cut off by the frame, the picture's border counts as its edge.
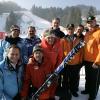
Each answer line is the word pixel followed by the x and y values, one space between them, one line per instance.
pixel 29 19
pixel 3 18
pixel 81 87
pixel 26 20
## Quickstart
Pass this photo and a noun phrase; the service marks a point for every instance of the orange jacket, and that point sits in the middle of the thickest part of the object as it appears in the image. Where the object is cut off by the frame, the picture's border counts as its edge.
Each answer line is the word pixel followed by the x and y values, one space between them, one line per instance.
pixel 54 52
pixel 67 47
pixel 92 47
pixel 37 74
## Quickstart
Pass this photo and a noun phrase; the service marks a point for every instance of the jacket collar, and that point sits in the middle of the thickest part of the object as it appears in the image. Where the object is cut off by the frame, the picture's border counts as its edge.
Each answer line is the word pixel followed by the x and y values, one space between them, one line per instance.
pixel 8 65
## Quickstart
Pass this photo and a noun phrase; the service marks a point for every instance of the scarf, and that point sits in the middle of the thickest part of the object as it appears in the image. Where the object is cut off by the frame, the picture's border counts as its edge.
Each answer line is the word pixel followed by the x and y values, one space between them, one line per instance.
pixel 12 40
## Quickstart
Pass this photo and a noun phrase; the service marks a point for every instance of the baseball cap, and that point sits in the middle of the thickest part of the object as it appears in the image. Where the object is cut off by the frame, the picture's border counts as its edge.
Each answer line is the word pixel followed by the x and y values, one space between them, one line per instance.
pixel 90 18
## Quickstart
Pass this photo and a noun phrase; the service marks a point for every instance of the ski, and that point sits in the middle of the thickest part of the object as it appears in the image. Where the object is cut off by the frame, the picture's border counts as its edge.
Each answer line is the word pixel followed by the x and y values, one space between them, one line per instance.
pixel 55 74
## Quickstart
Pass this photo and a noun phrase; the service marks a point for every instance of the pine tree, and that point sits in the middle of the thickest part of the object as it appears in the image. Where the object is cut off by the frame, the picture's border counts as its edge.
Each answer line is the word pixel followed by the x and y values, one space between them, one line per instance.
pixel 91 11
pixel 11 20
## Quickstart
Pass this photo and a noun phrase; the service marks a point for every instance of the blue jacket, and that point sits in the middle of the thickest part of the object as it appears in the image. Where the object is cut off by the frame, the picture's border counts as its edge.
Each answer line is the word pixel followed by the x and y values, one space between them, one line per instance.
pixel 10 80
pixel 29 43
pixel 4 44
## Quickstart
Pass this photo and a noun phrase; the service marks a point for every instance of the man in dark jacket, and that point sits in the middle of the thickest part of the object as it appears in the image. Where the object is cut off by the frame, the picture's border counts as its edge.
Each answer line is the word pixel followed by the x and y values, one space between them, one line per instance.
pixel 55 26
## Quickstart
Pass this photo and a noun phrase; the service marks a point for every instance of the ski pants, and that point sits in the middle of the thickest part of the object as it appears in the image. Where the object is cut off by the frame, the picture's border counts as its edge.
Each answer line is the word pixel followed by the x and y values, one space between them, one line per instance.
pixel 92 79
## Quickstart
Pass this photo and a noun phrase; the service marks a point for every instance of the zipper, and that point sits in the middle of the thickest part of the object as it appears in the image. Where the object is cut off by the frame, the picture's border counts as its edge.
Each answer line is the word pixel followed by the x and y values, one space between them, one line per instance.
pixel 17 81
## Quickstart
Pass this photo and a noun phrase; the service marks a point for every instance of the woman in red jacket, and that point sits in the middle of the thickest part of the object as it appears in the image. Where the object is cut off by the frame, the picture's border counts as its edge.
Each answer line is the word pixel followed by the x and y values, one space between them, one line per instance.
pixel 37 71
pixel 52 47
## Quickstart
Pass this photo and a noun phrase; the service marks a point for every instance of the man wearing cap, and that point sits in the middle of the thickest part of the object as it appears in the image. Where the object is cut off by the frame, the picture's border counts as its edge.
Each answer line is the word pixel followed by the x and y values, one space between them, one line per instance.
pixel 70 32
pixel 93 20
pixel 71 72
pixel 37 70
pixel 92 59
pixel 12 39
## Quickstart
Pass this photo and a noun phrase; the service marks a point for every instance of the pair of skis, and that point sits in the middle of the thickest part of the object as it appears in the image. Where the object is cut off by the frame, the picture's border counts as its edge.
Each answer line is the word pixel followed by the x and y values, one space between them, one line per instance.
pixel 55 74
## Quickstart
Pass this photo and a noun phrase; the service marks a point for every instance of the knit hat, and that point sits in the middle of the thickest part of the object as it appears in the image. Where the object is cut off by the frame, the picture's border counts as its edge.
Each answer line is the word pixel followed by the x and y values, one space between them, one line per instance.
pixel 37 48
pixel 14 27
pixel 49 32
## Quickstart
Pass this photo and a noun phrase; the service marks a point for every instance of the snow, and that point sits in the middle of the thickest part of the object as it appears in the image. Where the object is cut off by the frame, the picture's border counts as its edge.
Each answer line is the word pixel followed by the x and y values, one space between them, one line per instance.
pixel 3 18
pixel 26 20
pixel 81 87
pixel 30 19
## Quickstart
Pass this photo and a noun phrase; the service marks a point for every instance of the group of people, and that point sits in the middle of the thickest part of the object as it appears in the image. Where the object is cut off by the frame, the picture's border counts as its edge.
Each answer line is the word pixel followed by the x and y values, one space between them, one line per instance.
pixel 25 63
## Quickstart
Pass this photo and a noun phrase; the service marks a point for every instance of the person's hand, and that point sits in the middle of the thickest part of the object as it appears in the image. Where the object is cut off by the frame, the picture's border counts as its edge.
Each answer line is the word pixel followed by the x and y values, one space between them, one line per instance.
pixel 95 65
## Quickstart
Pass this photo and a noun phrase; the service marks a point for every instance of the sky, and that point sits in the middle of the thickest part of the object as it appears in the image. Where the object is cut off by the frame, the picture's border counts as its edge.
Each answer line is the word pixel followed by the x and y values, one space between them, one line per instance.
pixel 55 3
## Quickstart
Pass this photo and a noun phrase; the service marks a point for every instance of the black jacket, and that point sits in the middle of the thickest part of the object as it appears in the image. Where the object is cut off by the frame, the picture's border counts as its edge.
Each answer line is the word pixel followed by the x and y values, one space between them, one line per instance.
pixel 59 33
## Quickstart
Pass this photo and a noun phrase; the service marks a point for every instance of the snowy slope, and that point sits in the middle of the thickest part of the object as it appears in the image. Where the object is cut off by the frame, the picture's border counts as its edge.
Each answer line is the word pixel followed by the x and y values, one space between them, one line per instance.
pixel 3 18
pixel 84 97
pixel 27 19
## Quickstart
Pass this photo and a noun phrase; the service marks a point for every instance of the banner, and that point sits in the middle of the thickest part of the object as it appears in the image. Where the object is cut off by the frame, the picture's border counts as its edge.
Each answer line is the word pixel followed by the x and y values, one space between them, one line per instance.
pixel 2 35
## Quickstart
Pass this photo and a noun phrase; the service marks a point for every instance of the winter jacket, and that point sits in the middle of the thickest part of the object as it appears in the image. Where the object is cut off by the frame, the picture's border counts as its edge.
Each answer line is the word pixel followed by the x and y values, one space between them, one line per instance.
pixel 10 80
pixel 92 47
pixel 68 46
pixel 1 50
pixel 54 52
pixel 59 33
pixel 4 44
pixel 29 43
pixel 37 74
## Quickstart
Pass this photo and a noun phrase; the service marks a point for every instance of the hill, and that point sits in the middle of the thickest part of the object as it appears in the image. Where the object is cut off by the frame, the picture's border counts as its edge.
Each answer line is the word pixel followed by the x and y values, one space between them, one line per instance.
pixel 27 19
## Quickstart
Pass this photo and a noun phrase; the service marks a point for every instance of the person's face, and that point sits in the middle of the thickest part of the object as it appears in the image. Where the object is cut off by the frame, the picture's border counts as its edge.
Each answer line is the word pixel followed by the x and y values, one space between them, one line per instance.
pixel 50 39
pixel 31 32
pixel 15 33
pixel 90 25
pixel 14 55
pixel 55 24
pixel 70 31
pixel 38 55
pixel 79 30
pixel 94 22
